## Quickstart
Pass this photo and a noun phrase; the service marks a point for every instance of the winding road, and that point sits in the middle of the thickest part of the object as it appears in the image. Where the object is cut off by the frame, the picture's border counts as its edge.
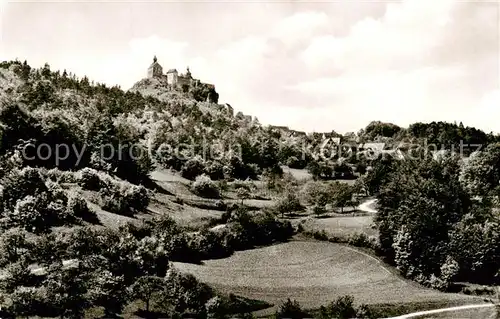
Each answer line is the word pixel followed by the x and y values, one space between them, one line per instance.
pixel 367 206
pixel 436 311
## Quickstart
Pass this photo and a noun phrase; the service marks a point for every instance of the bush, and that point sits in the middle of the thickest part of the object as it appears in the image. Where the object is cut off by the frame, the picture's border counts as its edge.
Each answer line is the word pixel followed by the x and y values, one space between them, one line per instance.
pixel 193 168
pixel 315 193
pixel 136 196
pixel 342 308
pixel 215 170
pixel 245 230
pixel 287 204
pixel 77 206
pixel 294 162
pixel 205 187
pixel 59 176
pixel 88 178
pixel 209 244
pixel 27 214
pixel 21 183
pixel 123 198
pixel 290 310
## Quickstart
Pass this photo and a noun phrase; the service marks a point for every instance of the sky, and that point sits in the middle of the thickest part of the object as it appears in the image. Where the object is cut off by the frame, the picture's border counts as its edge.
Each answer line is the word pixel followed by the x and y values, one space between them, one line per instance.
pixel 310 65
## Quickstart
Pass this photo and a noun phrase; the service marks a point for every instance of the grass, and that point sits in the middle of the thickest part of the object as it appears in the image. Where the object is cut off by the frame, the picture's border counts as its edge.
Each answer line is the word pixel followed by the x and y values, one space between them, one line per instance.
pixel 342 225
pixel 313 273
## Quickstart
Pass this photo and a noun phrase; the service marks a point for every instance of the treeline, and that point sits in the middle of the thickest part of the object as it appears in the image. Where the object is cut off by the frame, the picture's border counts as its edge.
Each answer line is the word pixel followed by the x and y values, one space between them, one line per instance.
pixel 438 218
pixel 442 134
pixel 53 109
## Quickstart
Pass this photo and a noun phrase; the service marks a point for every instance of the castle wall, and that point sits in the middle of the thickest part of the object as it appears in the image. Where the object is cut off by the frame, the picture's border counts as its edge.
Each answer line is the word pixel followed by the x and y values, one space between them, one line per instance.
pixel 172 78
pixel 182 80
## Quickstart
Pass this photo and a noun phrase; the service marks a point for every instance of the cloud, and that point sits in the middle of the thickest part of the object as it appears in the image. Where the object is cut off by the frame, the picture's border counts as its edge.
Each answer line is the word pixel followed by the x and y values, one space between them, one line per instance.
pixel 402 38
pixel 299 27
pixel 321 67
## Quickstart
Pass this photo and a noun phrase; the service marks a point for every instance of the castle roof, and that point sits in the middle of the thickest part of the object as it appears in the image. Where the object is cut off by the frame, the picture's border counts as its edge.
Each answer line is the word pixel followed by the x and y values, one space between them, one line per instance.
pixel 172 71
pixel 155 62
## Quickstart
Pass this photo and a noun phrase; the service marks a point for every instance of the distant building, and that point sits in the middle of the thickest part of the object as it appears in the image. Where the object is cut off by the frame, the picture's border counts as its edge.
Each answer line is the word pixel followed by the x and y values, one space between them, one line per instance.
pixel 173 77
pixel 155 69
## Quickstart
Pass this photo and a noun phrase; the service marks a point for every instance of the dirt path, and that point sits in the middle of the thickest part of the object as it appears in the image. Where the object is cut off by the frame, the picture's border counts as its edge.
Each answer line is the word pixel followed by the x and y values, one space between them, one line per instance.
pixel 367 206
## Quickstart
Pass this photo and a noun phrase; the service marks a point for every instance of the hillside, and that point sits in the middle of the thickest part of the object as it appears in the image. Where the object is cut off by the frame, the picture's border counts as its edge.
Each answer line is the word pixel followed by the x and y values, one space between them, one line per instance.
pixel 138 187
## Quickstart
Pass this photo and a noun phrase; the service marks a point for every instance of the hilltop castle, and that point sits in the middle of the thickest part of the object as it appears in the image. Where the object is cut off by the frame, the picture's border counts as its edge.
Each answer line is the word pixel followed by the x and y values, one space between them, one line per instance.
pixel 174 81
pixel 173 78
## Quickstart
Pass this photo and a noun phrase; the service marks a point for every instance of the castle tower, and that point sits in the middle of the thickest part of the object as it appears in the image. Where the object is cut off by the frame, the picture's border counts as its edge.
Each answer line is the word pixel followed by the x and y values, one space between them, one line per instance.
pixel 172 77
pixel 155 70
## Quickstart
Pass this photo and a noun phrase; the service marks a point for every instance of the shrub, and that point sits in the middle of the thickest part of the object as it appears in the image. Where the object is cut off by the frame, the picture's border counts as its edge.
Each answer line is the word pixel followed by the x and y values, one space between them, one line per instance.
pixel 192 168
pixel 27 214
pixel 123 198
pixel 290 310
pixel 136 196
pixel 59 176
pixel 89 179
pixel 215 170
pixel 342 308
pixel 77 206
pixel 294 162
pixel 205 187
pixel 21 183
pixel 287 204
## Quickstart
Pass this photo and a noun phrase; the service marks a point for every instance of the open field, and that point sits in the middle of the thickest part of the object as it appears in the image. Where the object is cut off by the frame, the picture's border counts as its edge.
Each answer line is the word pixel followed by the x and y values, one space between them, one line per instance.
pixel 313 273
pixel 342 225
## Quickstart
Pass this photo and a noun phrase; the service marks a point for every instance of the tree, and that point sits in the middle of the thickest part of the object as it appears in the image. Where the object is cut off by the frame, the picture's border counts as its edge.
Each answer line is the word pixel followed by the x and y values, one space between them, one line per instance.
pixel 18 274
pixel 67 289
pixel 145 287
pixel 314 169
pixel 21 183
pixel 47 249
pixel 287 204
pixel 242 193
pixel 342 308
pixel 184 291
pixel 341 194
pixel 481 173
pixel 418 208
pixel 290 310
pixel 378 175
pixel 315 193
pixel 215 308
pixel 13 245
pixel 203 186
pixel 26 301
pixel 108 291
pixel 192 168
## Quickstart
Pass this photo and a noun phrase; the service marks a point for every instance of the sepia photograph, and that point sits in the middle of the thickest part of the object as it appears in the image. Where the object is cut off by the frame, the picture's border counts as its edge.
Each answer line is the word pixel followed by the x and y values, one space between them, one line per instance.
pixel 278 159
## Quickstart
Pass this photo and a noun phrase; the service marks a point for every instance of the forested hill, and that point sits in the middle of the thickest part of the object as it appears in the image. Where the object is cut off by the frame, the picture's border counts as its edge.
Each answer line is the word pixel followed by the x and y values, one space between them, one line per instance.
pixel 54 107
pixel 439 133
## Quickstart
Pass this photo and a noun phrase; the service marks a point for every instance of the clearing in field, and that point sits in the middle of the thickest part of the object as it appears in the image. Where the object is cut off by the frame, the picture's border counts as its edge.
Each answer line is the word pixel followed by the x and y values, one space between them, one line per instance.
pixel 313 273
